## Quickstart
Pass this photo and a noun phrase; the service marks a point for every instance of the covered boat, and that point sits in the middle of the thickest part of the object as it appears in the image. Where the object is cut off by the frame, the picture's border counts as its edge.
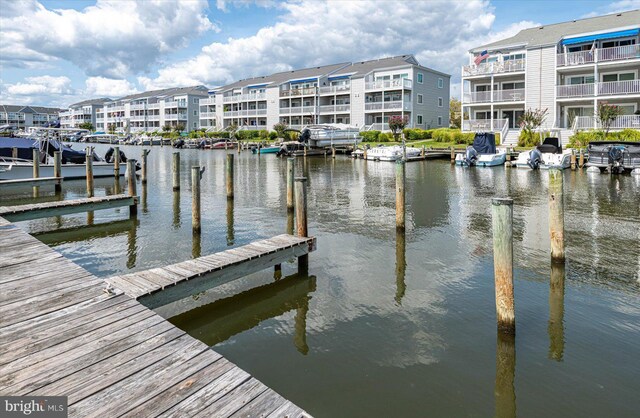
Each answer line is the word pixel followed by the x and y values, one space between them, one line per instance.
pixel 482 152
pixel 548 155
pixel 614 156
pixel 322 136
pixel 390 153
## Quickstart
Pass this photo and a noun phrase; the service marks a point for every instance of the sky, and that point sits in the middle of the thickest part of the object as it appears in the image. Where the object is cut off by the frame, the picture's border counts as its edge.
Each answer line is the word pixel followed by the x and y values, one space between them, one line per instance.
pixel 58 52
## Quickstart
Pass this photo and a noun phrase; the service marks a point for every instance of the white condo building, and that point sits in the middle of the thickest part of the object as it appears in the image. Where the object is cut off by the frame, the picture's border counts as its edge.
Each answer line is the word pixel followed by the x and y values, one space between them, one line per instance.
pixel 567 68
pixel 362 94
pixel 82 112
pixel 22 117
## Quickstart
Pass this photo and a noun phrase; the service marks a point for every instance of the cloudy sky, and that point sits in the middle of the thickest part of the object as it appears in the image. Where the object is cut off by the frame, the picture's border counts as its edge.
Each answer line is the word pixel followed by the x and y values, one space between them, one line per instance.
pixel 54 53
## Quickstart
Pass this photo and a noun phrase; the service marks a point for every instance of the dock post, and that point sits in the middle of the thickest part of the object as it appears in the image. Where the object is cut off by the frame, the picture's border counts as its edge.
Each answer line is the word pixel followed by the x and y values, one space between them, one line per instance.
pixel 290 178
pixel 14 152
pixel 36 163
pixel 305 151
pixel 229 170
pixel 502 220
pixel 424 151
pixel 573 159
pixel 556 215
pixel 195 199
pixel 400 207
pixel 581 164
pixel 508 157
pixel 176 171
pixel 131 185
pixel 145 152
pixel 364 152
pixel 116 161
pixel 301 219
pixel 453 155
pixel 333 152
pixel 89 171
pixel 57 169
pixel 239 147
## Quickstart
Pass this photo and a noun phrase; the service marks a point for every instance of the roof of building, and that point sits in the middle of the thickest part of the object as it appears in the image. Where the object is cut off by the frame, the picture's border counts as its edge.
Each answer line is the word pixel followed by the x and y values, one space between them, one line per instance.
pixel 362 68
pixel 196 90
pixel 28 109
pixel 552 34
pixel 89 102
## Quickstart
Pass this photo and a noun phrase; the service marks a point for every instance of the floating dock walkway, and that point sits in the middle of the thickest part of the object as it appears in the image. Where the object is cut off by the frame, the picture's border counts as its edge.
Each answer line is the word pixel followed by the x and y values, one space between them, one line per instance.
pixel 63 333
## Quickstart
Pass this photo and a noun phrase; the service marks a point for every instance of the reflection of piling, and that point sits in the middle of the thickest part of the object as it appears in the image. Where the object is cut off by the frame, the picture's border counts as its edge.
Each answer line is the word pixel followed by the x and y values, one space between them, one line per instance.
pixel 145 152
pixel 581 158
pixel 573 159
pixel 333 152
pixel 556 215
pixel 401 265
pixel 176 171
pixel 131 185
pixel 301 218
pixel 196 244
pixel 502 219
pixel 176 209
pixel 505 394
pixel 89 172
pixel 230 229
pixel 229 171
pixel 132 247
pixel 116 161
pixel 195 199
pixel 57 169
pixel 400 194
pixel 143 197
pixel 423 154
pixel 290 178
pixel 556 312
pixel 300 339
pixel 453 155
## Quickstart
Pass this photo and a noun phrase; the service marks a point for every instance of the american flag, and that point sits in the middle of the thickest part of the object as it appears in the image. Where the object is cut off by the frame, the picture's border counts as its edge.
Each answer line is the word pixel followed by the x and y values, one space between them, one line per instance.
pixel 483 55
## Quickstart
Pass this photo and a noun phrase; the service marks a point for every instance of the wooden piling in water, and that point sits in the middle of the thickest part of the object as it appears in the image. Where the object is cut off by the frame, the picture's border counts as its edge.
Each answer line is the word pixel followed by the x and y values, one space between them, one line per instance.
pixel 229 173
pixel 145 152
pixel 556 215
pixel 57 169
pixel 424 151
pixel 333 152
pixel 131 185
pixel 36 163
pixel 116 161
pixel 14 152
pixel 290 179
pixel 453 155
pixel 364 152
pixel 176 171
pixel 504 391
pixel 89 171
pixel 195 199
pixel 573 159
pixel 301 218
pixel 581 164
pixel 400 194
pixel 239 147
pixel 502 222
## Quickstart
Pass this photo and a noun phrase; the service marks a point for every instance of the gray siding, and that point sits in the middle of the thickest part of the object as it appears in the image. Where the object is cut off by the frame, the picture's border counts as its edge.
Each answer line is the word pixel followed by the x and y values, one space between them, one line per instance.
pixel 430 92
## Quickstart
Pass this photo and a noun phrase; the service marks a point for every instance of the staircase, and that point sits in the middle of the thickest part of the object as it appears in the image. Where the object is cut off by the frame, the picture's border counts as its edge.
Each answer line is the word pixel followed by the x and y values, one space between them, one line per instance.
pixel 511 139
pixel 564 136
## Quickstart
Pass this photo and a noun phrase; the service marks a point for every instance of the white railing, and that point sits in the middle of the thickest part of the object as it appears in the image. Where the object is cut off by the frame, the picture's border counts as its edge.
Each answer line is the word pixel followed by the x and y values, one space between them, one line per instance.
pixel 175 104
pixel 621 122
pixel 252 127
pixel 245 112
pixel 153 117
pixel 508 95
pixel 153 106
pixel 335 90
pixel 575 90
pixel 208 101
pixel 298 92
pixel 619 87
pixel 617 53
pixel 335 108
pixel 476 97
pixel 298 110
pixel 484 124
pixel 175 116
pixel 379 127
pixel 243 97
pixel 403 83
pixel 395 105
pixel 115 108
pixel 207 115
pixel 509 66
pixel 137 107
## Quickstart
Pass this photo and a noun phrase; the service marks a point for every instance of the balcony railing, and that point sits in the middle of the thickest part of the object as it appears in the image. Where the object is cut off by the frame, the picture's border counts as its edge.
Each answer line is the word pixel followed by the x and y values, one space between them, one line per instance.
pixel 342 108
pixel 297 110
pixel 153 106
pixel 153 117
pixel 310 91
pixel 243 98
pixel 137 107
pixel 335 90
pixel 208 101
pixel 207 115
pixel 484 124
pixel 509 66
pixel 477 97
pixel 401 83
pixel 175 104
pixel 246 112
pixel 395 105
pixel 609 88
pixel 175 116
pixel 514 95
pixel 617 53
pixel 621 122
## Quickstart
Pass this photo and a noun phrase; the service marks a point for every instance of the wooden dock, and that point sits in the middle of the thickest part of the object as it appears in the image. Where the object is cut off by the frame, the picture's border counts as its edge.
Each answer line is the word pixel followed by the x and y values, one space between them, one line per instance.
pixel 65 207
pixel 39 181
pixel 63 334
pixel 183 279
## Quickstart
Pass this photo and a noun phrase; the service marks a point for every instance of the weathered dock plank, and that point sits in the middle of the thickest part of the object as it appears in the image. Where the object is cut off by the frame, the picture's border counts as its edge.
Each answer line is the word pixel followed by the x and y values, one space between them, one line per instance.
pixel 65 207
pixel 63 334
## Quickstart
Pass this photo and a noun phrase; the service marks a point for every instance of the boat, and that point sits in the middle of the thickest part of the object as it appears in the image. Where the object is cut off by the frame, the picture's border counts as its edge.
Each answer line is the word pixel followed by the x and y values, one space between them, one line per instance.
pixel 391 153
pixel 271 149
pixel 483 152
pixel 101 138
pixel 224 144
pixel 548 155
pixel 322 136
pixel 616 157
pixel 291 148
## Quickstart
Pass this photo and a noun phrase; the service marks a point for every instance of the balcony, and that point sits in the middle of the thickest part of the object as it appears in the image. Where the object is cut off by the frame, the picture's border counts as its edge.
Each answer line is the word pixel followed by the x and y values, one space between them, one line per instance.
pixel 621 122
pixel 175 116
pixel 335 90
pixel 153 106
pixel 609 88
pixel 241 113
pixel 207 115
pixel 484 124
pixel 208 101
pixel 153 117
pixel 310 91
pixel 509 66
pixel 514 95
pixel 115 108
pixel 401 83
pixel 175 104
pixel 618 53
pixel 297 110
pixel 243 98
pixel 380 106
pixel 341 108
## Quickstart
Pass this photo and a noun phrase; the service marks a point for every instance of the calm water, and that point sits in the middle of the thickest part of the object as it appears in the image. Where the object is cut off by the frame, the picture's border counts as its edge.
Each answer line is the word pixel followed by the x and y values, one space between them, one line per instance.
pixel 392 325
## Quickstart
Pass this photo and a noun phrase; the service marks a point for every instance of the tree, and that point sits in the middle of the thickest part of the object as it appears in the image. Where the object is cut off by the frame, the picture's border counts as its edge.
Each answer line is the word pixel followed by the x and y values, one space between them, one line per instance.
pixel 455 113
pixel 280 127
pixel 179 127
pixel 397 124
pixel 166 128
pixel 86 125
pixel 111 128
pixel 529 122
pixel 607 114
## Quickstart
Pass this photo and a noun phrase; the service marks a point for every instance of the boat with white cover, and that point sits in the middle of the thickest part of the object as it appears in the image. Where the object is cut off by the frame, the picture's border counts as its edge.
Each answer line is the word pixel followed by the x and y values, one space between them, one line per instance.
pixel 483 152
pixel 391 153
pixel 548 155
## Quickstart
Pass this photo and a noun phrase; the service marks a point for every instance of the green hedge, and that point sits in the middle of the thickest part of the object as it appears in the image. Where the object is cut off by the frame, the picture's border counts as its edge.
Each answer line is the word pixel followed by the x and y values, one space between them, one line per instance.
pixel 454 135
pixel 369 136
pixel 531 139
pixel 412 134
pixel 582 138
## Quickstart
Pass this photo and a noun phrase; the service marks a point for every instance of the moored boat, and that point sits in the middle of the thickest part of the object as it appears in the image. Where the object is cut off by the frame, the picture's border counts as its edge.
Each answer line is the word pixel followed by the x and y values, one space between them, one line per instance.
pixel 271 149
pixel 322 136
pixel 614 156
pixel 483 152
pixel 390 153
pixel 548 155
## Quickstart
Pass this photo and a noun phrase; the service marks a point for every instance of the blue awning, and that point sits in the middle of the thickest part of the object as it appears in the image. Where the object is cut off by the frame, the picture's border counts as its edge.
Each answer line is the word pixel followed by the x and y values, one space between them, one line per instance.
pixel 304 80
pixel 609 35
pixel 339 77
pixel 252 86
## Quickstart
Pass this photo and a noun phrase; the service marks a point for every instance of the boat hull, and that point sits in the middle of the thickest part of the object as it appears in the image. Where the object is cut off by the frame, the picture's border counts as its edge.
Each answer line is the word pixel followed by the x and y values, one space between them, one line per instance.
pixel 485 160
pixel 548 160
pixel 19 170
pixel 266 150
pixel 614 156
pixel 392 153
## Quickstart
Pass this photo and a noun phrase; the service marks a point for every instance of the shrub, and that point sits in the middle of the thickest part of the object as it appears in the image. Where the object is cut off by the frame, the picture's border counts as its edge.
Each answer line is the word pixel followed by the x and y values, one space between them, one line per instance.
pixel 442 135
pixel 279 128
pixel 397 124
pixel 383 137
pixel 291 135
pixel 263 134
pixel 369 136
pixel 583 138
pixel 413 134
pixel 529 138
pixel 629 135
pixel 273 135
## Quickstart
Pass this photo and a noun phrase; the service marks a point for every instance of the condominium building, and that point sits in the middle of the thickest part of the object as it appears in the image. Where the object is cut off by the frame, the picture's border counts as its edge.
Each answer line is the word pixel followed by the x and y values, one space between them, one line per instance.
pixel 22 117
pixel 82 112
pixel 152 110
pixel 567 68
pixel 362 94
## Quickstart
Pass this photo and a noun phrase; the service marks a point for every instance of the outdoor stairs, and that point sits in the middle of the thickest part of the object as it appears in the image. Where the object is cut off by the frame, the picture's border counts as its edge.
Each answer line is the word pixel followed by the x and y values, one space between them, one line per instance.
pixel 564 135
pixel 511 139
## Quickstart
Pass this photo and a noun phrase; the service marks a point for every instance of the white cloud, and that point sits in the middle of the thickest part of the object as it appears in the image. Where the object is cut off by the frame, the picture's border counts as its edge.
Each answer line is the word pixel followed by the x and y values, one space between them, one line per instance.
pixel 614 7
pixel 113 38
pixel 107 87
pixel 42 85
pixel 313 33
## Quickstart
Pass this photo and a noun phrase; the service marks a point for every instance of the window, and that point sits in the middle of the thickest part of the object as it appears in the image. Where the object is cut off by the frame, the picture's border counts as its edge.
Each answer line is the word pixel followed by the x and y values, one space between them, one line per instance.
pixel 513 86
pixel 195 113
pixel 618 77
pixel 440 83
pixel 439 120
pixel 419 120
pixel 195 124
pixel 581 80
pixel 420 75
pixel 513 57
pixel 419 98
pixel 440 102
pixel 195 100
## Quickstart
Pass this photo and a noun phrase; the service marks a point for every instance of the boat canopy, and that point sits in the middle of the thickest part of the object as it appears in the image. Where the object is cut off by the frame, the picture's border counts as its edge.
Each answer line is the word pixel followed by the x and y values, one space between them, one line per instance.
pixel 485 143
pixel 607 35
